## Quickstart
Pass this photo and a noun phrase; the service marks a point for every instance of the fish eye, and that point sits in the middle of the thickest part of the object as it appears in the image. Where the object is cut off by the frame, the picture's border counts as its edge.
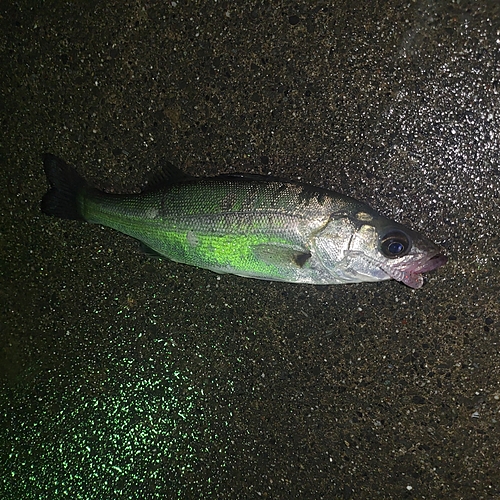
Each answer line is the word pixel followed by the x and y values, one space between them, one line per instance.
pixel 395 244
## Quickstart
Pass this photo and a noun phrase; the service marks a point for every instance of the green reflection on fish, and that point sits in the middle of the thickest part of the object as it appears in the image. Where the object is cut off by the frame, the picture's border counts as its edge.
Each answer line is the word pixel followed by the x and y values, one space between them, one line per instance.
pixel 252 226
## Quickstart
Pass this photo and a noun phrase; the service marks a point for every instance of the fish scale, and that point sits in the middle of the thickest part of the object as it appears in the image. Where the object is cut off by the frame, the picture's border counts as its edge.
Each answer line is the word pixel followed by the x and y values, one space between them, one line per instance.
pixel 229 233
pixel 252 226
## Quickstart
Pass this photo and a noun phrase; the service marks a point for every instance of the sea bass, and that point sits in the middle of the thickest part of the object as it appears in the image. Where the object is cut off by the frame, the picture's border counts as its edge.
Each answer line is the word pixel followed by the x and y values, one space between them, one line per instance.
pixel 252 226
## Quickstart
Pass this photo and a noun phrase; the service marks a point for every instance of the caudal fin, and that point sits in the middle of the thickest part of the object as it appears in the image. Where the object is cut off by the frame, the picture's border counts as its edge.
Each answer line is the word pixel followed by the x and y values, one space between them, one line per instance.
pixel 62 199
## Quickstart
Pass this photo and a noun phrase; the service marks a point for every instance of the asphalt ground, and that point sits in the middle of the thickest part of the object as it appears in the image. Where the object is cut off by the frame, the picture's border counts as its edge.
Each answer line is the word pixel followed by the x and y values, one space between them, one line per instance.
pixel 128 377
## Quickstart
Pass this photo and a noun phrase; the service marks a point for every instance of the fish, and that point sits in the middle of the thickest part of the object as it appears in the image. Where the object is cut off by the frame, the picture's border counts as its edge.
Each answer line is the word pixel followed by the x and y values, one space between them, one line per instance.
pixel 252 226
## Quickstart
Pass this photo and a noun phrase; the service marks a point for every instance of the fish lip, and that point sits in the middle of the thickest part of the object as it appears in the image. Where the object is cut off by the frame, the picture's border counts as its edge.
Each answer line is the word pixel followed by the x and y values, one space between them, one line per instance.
pixel 411 274
pixel 431 264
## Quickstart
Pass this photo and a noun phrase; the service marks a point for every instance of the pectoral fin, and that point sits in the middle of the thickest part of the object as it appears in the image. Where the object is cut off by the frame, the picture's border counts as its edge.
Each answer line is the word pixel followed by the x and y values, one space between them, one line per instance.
pixel 281 256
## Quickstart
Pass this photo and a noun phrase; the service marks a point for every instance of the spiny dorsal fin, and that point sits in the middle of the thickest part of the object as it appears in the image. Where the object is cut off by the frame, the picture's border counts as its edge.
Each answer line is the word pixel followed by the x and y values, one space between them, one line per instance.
pixel 167 174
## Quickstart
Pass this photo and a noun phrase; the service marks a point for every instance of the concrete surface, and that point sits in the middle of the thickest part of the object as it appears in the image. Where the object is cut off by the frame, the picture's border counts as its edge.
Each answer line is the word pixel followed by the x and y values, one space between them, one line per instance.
pixel 123 377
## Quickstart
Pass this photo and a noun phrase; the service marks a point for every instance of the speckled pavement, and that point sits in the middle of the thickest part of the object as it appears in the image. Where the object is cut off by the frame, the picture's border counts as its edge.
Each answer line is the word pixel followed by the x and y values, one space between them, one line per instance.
pixel 123 377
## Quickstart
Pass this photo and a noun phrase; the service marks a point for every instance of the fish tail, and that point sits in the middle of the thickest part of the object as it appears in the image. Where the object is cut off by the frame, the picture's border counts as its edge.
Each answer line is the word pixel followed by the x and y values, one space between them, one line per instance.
pixel 63 199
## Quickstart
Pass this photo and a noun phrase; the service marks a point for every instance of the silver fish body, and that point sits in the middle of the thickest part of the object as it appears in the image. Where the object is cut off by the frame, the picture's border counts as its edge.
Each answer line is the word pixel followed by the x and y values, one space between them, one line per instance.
pixel 253 226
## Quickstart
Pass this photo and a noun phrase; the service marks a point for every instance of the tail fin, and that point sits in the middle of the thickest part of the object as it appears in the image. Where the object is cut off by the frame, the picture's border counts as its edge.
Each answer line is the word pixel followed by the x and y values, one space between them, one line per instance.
pixel 62 199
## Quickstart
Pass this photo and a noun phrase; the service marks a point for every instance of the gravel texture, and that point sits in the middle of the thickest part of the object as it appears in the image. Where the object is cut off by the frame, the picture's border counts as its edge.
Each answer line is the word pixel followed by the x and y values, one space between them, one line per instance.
pixel 128 377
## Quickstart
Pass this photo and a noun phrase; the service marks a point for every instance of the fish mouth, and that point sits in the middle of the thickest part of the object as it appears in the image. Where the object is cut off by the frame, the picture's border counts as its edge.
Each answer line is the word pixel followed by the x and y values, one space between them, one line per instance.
pixel 432 263
pixel 411 274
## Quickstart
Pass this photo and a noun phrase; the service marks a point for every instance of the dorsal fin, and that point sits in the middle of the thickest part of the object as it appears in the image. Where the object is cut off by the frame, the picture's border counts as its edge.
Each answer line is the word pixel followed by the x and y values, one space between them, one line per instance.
pixel 250 177
pixel 167 174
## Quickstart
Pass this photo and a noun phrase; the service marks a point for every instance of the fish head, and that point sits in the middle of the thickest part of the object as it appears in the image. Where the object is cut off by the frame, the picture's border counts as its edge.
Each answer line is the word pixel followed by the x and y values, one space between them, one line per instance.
pixel 376 248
